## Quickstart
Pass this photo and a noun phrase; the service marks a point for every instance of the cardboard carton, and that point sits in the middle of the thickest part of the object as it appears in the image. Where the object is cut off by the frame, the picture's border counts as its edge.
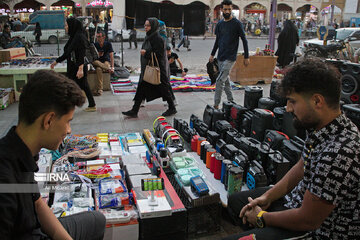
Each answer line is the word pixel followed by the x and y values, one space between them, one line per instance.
pixel 12 53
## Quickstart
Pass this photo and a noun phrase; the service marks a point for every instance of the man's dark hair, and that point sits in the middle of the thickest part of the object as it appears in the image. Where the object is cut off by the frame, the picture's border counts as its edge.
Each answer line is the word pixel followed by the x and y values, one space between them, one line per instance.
pixel 312 76
pixel 226 2
pixel 102 33
pixel 48 91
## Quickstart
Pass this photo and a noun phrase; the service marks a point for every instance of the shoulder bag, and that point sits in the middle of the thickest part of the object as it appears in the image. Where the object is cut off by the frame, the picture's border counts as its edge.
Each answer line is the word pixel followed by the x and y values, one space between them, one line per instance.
pixel 152 72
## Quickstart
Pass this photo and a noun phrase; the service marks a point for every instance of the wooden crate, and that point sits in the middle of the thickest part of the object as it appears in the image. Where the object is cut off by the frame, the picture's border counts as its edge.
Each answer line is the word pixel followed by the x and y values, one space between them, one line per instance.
pixel 261 68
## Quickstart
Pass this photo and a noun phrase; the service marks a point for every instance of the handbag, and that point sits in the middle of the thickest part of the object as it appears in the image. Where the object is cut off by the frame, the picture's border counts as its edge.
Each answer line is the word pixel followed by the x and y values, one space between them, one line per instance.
pixel 152 72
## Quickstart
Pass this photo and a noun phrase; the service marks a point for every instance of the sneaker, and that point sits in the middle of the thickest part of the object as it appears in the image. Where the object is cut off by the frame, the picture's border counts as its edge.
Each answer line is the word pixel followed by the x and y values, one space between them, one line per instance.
pixel 131 114
pixel 189 49
pixel 169 112
pixel 90 109
pixel 177 49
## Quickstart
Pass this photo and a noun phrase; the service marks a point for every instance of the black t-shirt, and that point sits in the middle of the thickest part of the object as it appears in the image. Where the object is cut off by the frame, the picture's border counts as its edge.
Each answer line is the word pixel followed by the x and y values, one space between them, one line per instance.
pixel 173 56
pixel 104 51
pixel 17 166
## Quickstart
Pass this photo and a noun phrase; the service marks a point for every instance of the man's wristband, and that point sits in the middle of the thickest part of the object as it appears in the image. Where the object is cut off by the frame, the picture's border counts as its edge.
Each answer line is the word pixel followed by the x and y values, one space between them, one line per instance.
pixel 260 222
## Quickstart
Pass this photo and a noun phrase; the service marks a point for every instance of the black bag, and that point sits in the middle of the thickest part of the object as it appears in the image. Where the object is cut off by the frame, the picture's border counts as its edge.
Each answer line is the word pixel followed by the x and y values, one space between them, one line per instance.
pixel 213 70
pixel 91 53
pixel 211 115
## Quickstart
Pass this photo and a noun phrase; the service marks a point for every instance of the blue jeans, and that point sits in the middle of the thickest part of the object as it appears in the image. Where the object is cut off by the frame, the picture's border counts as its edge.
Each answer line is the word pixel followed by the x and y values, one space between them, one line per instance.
pixel 223 81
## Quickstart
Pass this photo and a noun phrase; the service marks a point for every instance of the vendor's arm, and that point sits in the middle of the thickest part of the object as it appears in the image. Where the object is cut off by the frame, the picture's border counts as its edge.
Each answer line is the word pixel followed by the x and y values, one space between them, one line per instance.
pixel 8 209
pixel 49 223
pixel 181 67
pixel 283 187
pixel 308 217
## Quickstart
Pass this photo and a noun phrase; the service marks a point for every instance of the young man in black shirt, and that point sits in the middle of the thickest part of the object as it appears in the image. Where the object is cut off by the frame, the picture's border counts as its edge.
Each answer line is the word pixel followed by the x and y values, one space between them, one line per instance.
pixel 46 107
pixel 320 194
pixel 227 33
pixel 172 58
pixel 105 61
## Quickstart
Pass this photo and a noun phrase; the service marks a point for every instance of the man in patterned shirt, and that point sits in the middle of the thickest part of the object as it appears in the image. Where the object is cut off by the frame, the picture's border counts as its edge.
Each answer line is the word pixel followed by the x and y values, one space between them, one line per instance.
pixel 320 195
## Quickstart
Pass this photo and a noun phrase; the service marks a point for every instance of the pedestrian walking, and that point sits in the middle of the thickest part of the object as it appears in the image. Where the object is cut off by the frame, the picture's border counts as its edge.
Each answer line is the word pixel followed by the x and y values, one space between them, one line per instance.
pixel 132 38
pixel 153 44
pixel 287 41
pixel 37 33
pixel 74 53
pixel 227 34
pixel 184 40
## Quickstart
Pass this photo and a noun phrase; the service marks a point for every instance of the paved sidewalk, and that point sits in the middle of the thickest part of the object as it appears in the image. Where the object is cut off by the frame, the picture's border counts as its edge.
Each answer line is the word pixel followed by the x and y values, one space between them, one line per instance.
pixel 109 118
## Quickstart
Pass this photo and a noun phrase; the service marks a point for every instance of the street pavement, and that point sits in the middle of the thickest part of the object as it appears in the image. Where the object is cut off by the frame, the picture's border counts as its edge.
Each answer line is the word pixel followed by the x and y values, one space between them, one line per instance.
pixel 195 60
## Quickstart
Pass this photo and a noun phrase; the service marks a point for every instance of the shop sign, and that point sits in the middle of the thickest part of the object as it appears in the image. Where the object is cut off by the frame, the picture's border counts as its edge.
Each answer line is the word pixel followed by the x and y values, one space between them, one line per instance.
pixel 98 3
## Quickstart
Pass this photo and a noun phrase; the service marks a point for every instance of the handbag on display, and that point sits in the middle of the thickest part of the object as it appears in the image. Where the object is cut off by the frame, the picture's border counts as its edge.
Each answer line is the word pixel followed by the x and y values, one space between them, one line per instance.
pixel 152 73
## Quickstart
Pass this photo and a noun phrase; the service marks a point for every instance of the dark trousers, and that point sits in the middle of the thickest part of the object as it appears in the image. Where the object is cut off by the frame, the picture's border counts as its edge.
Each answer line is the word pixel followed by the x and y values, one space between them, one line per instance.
pixel 238 200
pixel 174 71
pixel 87 225
pixel 133 38
pixel 84 85
pixel 80 226
pixel 37 37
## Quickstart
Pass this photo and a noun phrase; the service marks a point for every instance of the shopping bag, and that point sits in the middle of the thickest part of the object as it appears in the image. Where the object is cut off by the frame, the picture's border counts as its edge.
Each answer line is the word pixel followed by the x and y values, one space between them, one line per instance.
pixel 152 72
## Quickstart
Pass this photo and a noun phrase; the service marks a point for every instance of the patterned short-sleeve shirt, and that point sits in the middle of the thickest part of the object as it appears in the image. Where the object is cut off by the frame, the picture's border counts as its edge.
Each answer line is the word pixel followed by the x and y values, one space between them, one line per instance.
pixel 332 173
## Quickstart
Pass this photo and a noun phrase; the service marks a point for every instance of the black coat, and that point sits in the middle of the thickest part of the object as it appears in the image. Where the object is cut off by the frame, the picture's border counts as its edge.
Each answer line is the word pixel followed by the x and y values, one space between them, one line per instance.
pixel 287 41
pixel 154 43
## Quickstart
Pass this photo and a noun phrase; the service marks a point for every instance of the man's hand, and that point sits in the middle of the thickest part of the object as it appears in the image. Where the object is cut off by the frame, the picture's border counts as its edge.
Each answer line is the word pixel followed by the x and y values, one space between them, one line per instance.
pixel 261 201
pixel 53 65
pixel 211 58
pixel 111 70
pixel 142 52
pixel 246 61
pixel 183 73
pixel 251 214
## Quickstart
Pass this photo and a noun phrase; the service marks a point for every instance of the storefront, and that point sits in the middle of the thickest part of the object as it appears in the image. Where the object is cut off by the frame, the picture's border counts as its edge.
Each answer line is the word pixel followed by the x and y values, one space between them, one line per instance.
pixel 284 12
pixel 23 9
pixel 102 9
pixel 255 13
pixel 66 5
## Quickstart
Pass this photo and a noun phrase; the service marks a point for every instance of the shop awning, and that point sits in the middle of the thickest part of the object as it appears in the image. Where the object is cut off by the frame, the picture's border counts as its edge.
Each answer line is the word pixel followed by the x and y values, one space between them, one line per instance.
pixel 255 11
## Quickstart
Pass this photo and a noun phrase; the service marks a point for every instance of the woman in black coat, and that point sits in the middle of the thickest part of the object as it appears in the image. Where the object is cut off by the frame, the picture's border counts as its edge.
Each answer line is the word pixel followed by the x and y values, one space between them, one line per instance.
pixel 153 43
pixel 38 33
pixel 287 41
pixel 74 53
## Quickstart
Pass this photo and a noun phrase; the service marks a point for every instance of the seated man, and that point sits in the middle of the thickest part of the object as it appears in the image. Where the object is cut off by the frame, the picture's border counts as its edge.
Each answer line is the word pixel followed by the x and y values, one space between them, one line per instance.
pixel 7 41
pixel 173 67
pixel 46 107
pixel 106 57
pixel 320 194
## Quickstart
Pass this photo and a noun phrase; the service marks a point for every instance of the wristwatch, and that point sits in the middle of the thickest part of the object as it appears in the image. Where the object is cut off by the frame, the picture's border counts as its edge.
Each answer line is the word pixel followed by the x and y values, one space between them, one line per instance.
pixel 260 222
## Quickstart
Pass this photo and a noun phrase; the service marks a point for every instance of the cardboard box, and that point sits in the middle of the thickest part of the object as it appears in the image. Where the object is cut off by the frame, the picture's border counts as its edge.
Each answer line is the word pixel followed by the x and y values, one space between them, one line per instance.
pixel 261 68
pixel 12 53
